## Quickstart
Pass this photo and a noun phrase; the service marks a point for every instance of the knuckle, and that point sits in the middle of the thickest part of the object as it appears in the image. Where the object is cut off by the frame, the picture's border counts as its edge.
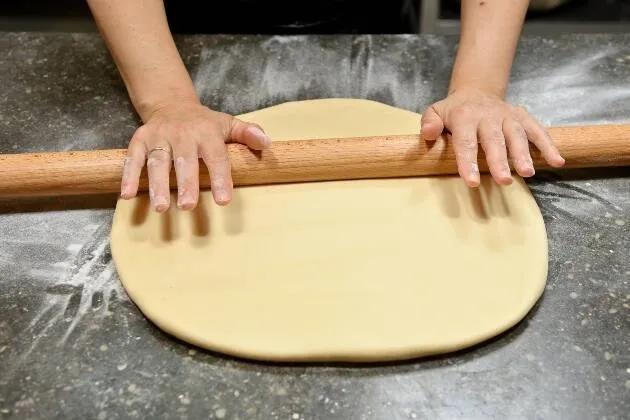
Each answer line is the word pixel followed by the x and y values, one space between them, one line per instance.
pixel 157 160
pixel 467 145
pixel 516 138
pixel 461 113
pixel 497 138
pixel 134 156
pixel 541 136
pixel 186 183
pixel 519 150
pixel 129 162
pixel 216 155
pixel 464 157
pixel 140 133
pixel 519 131
pixel 185 159
pixel 466 149
pixel 186 164
pixel 219 130
pixel 218 161
pixel 497 161
pixel 137 145
pixel 430 113
pixel 492 135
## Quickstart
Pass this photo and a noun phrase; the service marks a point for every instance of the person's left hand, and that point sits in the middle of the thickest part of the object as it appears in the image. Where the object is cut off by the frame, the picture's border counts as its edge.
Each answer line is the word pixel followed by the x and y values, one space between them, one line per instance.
pixel 473 116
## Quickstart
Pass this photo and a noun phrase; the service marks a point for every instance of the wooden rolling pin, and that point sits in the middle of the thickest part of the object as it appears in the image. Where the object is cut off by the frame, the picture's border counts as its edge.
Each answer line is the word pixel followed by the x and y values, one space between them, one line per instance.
pixel 93 172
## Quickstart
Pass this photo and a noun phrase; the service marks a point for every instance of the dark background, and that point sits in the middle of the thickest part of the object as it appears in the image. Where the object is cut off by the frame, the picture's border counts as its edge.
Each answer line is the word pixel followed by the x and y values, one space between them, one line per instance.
pixel 285 17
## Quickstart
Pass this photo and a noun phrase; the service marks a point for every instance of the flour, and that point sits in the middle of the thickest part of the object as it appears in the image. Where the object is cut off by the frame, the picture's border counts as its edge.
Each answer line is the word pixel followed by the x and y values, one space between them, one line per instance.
pixel 87 285
pixel 70 278
pixel 306 69
pixel 380 66
pixel 86 139
pixel 282 69
pixel 558 85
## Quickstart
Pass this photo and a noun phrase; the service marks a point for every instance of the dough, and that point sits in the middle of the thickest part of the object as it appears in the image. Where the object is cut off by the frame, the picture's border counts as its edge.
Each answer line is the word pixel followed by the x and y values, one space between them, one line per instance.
pixel 368 270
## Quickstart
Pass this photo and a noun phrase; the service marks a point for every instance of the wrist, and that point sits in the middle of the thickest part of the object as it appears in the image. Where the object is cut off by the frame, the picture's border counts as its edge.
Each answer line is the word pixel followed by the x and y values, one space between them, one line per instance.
pixel 148 108
pixel 476 70
pixel 497 89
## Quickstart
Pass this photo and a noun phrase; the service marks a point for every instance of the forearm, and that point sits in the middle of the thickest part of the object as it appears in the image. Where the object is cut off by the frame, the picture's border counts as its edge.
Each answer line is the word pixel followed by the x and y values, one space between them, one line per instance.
pixel 490 30
pixel 137 34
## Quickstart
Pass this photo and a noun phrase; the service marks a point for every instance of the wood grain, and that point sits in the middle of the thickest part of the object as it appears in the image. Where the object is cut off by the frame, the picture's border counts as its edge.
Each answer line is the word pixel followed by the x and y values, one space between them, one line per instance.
pixel 99 171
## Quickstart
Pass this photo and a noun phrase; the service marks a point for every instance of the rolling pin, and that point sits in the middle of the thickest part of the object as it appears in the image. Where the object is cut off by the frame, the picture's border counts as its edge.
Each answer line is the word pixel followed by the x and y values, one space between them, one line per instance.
pixel 99 171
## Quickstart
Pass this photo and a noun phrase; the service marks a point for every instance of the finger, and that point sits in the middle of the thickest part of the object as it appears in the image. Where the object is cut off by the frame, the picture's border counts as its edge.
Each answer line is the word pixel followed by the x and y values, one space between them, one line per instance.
pixel 431 125
pixel 249 134
pixel 214 155
pixel 186 162
pixel 518 146
pixel 159 168
pixel 132 167
pixel 465 145
pixel 493 143
pixel 539 136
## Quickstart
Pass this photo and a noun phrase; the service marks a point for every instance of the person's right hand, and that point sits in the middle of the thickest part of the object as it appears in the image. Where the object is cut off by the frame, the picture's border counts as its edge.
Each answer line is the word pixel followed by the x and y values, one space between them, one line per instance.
pixel 182 133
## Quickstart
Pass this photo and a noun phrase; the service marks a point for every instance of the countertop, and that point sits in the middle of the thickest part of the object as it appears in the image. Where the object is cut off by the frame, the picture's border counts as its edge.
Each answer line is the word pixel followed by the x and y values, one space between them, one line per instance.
pixel 72 345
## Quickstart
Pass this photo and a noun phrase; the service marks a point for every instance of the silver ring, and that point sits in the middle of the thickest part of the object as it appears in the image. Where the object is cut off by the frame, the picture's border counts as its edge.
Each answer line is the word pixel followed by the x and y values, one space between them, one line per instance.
pixel 163 149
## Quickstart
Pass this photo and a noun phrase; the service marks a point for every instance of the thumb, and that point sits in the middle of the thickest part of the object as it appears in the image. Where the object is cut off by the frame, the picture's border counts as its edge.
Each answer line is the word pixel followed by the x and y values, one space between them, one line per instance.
pixel 251 135
pixel 432 125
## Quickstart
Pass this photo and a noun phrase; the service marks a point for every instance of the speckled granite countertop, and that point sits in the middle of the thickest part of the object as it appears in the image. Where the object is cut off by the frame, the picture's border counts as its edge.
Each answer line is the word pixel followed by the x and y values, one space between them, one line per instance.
pixel 72 345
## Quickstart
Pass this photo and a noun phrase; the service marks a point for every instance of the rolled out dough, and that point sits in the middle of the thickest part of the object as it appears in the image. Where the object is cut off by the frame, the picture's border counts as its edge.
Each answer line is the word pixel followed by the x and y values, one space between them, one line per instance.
pixel 369 270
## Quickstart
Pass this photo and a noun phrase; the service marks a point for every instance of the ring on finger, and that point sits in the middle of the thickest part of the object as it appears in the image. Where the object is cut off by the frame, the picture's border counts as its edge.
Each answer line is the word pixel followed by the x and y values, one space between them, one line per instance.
pixel 166 150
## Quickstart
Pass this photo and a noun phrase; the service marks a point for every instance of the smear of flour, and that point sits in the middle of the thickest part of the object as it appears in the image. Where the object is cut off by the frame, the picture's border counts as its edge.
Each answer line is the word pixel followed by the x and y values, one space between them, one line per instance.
pixel 381 65
pixel 288 68
pixel 85 285
pixel 85 139
pixel 558 85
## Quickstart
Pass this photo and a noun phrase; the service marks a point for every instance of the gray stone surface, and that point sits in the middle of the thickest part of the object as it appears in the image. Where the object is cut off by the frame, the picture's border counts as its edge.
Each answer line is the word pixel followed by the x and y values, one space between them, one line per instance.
pixel 72 345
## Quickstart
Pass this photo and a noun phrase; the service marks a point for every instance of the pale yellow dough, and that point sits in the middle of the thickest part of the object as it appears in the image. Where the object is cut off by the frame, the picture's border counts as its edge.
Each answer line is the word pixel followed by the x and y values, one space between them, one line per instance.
pixel 368 270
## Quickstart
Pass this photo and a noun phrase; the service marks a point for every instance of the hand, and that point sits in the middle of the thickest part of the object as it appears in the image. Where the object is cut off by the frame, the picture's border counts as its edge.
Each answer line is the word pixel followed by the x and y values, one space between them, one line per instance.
pixel 474 116
pixel 181 133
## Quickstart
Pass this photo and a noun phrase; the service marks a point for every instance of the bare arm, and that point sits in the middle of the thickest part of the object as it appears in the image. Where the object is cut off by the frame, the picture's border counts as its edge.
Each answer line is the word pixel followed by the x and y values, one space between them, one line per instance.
pixel 137 34
pixel 490 30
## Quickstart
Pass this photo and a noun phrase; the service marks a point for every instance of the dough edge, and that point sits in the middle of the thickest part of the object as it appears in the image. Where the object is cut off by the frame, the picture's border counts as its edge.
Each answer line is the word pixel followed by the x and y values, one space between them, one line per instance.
pixel 348 354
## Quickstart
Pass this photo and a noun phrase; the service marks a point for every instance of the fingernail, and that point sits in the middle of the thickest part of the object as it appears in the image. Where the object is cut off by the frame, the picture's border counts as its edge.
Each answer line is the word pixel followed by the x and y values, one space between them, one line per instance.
pixel 529 165
pixel 183 199
pixel 221 197
pixel 160 203
pixel 125 191
pixel 185 204
pixel 160 200
pixel 258 133
pixel 473 178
